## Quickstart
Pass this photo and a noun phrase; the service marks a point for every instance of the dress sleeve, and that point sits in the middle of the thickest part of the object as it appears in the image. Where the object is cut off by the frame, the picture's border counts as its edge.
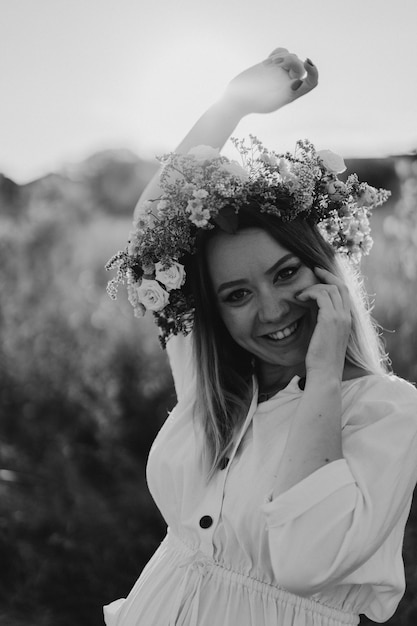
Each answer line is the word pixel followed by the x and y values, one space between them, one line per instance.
pixel 332 522
pixel 181 359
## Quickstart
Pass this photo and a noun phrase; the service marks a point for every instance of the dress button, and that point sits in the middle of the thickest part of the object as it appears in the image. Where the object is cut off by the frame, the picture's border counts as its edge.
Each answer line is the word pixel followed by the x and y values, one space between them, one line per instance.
pixel 302 383
pixel 206 521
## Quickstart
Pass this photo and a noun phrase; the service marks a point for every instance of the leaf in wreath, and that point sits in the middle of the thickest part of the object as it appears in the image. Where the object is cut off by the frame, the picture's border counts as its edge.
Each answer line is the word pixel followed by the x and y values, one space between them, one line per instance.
pixel 227 220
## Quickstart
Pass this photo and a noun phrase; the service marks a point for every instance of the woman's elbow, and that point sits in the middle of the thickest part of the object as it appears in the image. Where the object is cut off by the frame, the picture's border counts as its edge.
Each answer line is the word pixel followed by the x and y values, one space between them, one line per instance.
pixel 297 583
pixel 301 577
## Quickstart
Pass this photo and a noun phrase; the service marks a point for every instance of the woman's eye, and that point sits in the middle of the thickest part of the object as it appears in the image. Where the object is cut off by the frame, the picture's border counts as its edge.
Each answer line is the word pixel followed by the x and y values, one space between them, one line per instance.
pixel 237 295
pixel 287 272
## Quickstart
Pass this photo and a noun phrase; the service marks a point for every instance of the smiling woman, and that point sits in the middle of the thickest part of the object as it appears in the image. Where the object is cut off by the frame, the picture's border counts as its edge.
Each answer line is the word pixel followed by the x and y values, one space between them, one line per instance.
pixel 255 311
pixel 286 470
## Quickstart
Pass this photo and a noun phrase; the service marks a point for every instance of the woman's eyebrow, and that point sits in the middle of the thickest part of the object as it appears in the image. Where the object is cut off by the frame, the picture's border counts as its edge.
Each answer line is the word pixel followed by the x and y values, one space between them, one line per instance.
pixel 278 264
pixel 240 281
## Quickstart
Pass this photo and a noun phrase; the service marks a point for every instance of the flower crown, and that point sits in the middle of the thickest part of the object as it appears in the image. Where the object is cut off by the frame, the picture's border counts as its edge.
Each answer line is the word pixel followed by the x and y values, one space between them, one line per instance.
pixel 202 189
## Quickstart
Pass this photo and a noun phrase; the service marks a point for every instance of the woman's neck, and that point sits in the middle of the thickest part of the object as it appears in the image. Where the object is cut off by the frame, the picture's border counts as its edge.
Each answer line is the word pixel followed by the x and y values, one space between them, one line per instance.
pixel 273 378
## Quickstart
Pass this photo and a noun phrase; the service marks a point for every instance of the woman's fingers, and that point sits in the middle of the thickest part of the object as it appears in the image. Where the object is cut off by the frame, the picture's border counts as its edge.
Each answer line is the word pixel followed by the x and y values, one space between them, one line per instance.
pixel 278 52
pixel 333 286
pixel 328 278
pixel 288 61
pixel 327 348
pixel 277 56
pixel 327 297
pixel 304 75
pixel 309 81
pixel 312 74
pixel 294 66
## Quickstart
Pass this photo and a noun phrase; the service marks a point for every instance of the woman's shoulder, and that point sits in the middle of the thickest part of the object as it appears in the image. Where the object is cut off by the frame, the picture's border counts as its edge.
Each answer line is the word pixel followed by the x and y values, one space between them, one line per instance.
pixel 180 354
pixel 371 381
pixel 370 397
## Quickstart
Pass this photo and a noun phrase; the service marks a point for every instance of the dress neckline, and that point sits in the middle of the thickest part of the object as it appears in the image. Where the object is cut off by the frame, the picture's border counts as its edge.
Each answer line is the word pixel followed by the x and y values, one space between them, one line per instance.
pixel 297 383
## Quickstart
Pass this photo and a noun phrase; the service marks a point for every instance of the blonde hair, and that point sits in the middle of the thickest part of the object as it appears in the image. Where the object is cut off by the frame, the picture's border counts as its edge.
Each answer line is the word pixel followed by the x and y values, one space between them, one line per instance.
pixel 225 370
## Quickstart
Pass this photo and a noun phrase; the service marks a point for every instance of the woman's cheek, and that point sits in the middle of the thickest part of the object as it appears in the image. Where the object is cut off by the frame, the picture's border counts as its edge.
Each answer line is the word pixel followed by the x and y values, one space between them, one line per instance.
pixel 234 319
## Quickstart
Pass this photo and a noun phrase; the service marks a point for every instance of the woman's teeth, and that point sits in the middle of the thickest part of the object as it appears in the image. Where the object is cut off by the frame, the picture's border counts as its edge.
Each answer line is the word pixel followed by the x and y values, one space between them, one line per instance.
pixel 282 334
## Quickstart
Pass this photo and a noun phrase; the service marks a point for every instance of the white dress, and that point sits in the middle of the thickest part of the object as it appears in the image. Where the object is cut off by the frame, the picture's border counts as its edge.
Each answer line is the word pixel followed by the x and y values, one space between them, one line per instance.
pixel 319 554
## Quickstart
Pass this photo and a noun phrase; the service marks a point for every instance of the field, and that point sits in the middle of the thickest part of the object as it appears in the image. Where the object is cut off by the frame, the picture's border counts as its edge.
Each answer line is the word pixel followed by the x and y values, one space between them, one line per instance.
pixel 85 388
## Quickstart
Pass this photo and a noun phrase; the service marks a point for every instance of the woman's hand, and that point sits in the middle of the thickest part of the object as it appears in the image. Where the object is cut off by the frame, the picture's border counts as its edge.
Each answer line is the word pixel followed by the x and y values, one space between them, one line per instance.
pixel 271 84
pixel 327 350
pixel 263 88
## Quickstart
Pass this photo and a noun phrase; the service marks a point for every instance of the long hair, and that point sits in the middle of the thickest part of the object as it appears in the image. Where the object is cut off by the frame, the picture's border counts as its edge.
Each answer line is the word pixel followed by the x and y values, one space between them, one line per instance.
pixel 225 369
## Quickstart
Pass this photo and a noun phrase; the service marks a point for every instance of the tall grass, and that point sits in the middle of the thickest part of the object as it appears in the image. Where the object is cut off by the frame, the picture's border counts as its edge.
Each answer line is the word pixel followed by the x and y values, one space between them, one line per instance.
pixel 84 389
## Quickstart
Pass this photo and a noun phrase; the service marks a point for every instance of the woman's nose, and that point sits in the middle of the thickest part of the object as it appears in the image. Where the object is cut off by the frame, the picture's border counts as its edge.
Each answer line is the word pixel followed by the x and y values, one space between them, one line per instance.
pixel 271 308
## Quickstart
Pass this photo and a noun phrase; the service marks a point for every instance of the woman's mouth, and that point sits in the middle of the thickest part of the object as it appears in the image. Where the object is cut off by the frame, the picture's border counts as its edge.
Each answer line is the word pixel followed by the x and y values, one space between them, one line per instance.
pixel 279 335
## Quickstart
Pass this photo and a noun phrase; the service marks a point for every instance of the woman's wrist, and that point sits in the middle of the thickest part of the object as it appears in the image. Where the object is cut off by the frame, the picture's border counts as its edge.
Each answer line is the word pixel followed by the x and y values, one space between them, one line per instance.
pixel 324 379
pixel 232 107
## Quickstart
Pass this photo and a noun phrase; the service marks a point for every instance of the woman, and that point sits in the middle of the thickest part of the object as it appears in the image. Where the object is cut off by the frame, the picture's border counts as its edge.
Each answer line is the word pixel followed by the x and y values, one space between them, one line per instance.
pixel 286 470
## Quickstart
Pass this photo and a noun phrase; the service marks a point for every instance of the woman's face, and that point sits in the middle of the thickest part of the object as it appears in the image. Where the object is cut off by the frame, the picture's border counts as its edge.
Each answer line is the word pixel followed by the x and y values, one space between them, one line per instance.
pixel 256 281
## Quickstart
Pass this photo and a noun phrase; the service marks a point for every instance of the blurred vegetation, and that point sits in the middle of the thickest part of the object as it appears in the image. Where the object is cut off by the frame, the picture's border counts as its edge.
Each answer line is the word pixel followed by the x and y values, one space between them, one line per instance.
pixel 84 388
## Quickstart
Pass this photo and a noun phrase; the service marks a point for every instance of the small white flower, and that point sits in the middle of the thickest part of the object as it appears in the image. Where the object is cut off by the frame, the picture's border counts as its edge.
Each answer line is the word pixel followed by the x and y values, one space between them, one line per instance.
pixel 367 244
pixel 133 245
pixel 367 197
pixel 152 296
pixel 346 225
pixel 147 206
pixel 173 277
pixel 162 205
pixel 337 190
pixel 170 175
pixel 234 169
pixel 132 293
pixel 332 161
pixel 284 166
pixel 200 217
pixel 200 194
pixel 287 173
pixel 330 226
pixel 194 205
pixel 268 159
pixel 204 153
pixel 188 188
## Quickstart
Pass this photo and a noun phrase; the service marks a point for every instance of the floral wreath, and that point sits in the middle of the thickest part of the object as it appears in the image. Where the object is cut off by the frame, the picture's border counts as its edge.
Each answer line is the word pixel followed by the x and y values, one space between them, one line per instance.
pixel 202 189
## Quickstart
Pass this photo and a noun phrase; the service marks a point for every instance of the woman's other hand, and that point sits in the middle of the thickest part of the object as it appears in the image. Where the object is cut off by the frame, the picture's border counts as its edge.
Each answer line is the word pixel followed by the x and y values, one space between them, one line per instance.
pixel 326 353
pixel 271 84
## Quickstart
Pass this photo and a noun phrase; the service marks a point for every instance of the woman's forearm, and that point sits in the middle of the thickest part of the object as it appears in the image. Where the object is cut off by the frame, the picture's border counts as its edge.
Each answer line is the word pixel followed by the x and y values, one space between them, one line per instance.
pixel 262 88
pixel 213 128
pixel 315 437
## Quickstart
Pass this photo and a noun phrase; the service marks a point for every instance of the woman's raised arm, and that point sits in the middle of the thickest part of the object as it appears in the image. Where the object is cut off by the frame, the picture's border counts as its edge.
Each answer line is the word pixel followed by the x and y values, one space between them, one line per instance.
pixel 263 88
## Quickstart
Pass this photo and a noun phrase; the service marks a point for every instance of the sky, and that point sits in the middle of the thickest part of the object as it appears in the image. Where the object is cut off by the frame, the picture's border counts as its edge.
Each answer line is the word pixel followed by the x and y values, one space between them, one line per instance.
pixel 80 76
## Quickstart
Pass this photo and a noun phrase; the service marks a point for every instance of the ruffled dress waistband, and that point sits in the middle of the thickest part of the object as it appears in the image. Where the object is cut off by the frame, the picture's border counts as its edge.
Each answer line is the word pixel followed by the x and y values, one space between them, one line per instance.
pixel 195 561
